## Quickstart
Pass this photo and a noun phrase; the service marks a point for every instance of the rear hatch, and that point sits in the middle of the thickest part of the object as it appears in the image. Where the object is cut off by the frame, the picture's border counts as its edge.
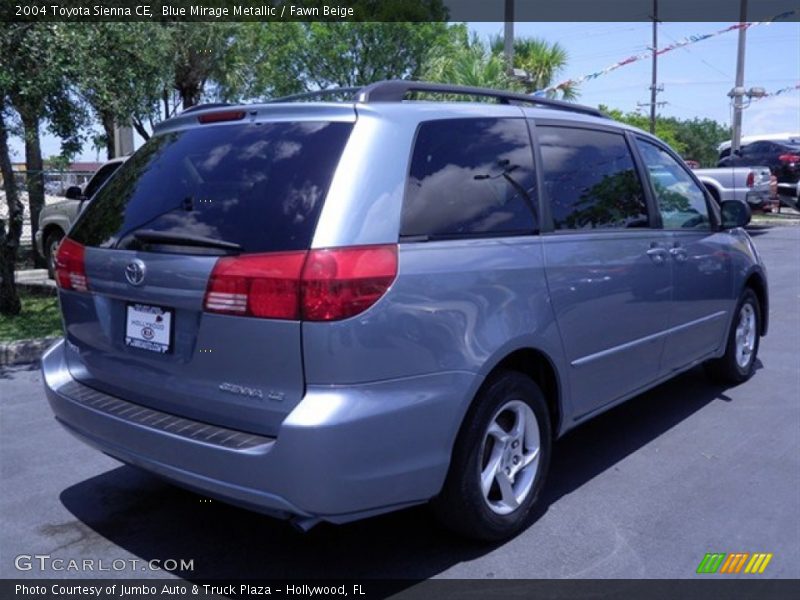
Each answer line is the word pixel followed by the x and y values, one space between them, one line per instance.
pixel 192 202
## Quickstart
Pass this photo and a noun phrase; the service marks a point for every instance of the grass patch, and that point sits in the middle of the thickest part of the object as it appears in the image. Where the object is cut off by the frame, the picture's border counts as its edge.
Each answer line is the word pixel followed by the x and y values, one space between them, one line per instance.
pixel 39 318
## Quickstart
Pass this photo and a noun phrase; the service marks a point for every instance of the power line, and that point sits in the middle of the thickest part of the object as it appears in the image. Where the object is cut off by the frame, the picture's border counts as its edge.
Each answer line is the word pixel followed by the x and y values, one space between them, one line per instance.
pixel 684 42
pixel 700 58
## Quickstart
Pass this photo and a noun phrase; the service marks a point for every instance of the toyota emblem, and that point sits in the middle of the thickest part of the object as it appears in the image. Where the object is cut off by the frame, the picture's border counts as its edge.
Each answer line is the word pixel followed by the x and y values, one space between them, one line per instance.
pixel 135 271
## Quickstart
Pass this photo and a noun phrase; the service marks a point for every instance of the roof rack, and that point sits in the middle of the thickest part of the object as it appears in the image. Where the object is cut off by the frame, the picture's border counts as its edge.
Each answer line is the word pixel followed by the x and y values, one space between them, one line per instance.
pixel 342 91
pixel 396 91
pixel 197 107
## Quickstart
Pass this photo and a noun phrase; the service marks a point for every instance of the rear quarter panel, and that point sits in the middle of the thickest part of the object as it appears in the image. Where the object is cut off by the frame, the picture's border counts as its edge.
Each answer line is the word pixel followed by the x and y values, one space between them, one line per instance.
pixel 456 306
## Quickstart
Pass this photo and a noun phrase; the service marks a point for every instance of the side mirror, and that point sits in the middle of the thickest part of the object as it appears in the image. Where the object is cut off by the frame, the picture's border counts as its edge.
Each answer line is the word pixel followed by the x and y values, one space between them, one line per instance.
pixel 734 214
pixel 74 193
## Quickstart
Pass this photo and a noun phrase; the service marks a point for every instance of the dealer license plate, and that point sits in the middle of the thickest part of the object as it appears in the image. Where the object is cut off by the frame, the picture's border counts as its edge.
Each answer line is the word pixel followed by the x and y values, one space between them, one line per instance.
pixel 149 327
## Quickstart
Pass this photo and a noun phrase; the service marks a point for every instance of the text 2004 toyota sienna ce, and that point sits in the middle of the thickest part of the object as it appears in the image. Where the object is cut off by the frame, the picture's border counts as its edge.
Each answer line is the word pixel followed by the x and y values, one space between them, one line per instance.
pixel 328 310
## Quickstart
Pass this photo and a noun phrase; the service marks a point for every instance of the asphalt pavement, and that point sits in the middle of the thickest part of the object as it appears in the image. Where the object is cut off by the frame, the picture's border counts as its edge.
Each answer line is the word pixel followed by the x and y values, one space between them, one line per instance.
pixel 643 491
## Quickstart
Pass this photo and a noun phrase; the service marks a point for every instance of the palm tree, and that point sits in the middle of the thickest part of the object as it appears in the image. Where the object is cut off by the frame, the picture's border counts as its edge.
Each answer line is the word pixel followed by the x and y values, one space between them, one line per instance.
pixel 469 62
pixel 541 60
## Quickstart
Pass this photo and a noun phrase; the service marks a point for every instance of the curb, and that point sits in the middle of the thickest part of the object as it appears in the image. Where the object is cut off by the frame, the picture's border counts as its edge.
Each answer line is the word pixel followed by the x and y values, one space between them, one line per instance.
pixel 24 351
pixel 772 222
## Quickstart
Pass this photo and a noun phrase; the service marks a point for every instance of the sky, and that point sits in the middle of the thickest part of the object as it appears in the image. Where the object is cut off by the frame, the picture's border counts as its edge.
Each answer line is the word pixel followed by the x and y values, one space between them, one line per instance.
pixel 696 78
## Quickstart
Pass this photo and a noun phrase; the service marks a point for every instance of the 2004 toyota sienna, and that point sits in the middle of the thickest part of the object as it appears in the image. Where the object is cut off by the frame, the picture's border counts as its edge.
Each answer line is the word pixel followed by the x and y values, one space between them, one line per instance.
pixel 325 310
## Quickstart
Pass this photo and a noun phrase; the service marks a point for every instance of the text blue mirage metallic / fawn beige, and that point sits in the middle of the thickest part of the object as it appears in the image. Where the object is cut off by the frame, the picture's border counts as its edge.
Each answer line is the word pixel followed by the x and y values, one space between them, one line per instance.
pixel 330 310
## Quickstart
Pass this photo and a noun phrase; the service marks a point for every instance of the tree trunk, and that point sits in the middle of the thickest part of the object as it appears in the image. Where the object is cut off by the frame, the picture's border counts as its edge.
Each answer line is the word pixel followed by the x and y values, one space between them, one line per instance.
pixel 108 129
pixel 34 177
pixel 190 92
pixel 165 98
pixel 9 240
pixel 140 129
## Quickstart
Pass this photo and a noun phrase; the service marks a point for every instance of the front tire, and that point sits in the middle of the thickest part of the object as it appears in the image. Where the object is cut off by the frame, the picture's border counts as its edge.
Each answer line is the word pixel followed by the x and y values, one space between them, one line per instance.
pixel 500 460
pixel 738 363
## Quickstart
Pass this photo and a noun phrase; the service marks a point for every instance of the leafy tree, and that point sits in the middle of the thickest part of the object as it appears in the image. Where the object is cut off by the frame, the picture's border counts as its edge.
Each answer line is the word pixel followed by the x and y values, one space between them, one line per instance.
pixel 123 73
pixel 466 60
pixel 700 138
pixel 197 54
pixel 664 129
pixel 469 61
pixel 38 84
pixel 149 71
pixel 349 54
pixel 541 60
pixel 695 139
pixel 261 63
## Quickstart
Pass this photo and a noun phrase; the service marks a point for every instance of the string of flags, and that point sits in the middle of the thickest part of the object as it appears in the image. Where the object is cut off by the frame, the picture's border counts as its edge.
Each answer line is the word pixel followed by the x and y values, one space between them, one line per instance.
pixel 785 90
pixel 692 39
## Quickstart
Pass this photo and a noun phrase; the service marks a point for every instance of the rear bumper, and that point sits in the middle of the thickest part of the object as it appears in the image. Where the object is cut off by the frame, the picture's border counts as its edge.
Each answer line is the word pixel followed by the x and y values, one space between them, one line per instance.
pixel 758 198
pixel 343 453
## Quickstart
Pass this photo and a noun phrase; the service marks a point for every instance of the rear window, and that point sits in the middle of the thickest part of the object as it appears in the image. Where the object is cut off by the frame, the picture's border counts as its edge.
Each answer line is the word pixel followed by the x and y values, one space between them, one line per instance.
pixel 260 186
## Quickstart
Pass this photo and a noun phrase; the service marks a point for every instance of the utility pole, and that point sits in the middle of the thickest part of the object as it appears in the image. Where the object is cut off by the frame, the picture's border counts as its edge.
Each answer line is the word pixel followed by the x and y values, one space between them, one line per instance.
pixel 654 81
pixel 123 140
pixel 508 37
pixel 738 92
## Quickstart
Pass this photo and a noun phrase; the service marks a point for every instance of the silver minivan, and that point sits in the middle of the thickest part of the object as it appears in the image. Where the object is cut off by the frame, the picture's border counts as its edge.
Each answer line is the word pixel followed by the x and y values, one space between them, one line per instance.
pixel 326 310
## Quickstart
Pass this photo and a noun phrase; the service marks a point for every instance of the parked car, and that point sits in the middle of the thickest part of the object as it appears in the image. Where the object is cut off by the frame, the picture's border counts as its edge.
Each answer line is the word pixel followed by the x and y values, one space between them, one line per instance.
pixel 329 310
pixel 781 155
pixel 56 219
pixel 745 184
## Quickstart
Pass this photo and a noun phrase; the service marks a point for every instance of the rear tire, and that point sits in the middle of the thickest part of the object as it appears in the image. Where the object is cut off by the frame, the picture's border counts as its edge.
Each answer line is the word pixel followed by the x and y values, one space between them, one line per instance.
pixel 738 363
pixel 499 462
pixel 51 242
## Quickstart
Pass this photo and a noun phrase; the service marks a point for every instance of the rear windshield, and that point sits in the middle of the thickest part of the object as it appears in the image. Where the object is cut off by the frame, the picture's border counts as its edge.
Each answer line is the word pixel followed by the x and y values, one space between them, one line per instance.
pixel 260 186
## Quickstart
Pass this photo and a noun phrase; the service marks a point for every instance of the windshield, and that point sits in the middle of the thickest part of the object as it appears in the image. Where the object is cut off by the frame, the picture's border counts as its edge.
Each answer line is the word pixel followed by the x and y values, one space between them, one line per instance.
pixel 260 186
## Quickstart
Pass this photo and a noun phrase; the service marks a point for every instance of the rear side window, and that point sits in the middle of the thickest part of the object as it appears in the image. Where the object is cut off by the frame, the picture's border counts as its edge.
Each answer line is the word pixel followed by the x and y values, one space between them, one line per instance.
pixel 470 177
pixel 260 186
pixel 590 179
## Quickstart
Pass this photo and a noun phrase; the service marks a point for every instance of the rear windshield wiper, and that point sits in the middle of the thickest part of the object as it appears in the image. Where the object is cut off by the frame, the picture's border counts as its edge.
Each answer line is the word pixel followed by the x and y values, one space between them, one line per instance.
pixel 183 239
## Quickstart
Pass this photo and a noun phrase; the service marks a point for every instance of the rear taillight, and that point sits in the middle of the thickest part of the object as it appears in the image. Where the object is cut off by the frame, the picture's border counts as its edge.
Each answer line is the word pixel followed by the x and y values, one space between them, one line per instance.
pixel 257 285
pixel 751 179
pixel 342 282
pixel 789 158
pixel 71 266
pixel 317 285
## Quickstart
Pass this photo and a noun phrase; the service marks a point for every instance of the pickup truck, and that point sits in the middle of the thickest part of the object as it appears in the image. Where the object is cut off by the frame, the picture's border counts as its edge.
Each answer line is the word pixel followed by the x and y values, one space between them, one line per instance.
pixel 746 184
pixel 56 219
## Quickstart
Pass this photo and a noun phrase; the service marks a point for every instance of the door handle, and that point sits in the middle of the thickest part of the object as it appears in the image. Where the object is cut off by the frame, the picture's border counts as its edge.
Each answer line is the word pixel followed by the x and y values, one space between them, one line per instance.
pixel 658 255
pixel 679 253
